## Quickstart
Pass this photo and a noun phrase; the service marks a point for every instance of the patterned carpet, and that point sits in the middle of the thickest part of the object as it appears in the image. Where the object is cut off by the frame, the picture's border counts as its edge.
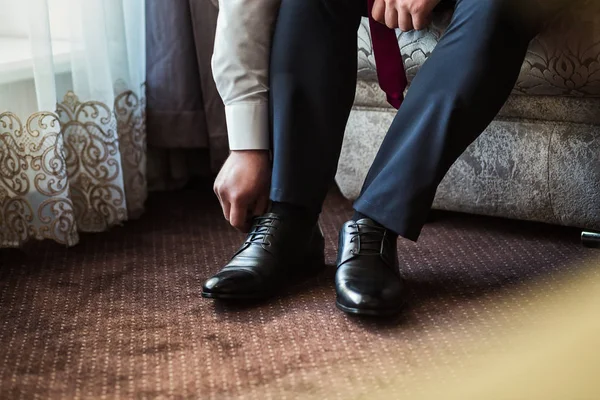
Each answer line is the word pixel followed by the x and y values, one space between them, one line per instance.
pixel 120 315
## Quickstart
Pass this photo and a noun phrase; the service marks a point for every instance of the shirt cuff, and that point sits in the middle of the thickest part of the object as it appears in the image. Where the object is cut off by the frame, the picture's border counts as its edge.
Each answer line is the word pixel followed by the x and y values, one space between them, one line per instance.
pixel 248 126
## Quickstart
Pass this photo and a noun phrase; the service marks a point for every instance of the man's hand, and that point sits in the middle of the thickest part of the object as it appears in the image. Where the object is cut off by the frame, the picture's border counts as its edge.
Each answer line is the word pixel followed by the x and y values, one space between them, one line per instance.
pixel 404 14
pixel 242 186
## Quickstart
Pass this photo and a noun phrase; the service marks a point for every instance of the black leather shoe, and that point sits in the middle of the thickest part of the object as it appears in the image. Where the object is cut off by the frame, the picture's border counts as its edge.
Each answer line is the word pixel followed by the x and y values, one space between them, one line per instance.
pixel 278 251
pixel 367 280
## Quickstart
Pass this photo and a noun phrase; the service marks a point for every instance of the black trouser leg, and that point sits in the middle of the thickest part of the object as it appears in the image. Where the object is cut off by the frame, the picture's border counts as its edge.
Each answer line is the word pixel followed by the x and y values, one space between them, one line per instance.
pixel 453 98
pixel 313 80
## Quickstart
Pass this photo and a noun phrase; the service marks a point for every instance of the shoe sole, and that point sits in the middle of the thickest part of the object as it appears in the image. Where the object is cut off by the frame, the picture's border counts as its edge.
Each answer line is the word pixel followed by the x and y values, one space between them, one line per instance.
pixel 233 296
pixel 369 311
pixel 265 295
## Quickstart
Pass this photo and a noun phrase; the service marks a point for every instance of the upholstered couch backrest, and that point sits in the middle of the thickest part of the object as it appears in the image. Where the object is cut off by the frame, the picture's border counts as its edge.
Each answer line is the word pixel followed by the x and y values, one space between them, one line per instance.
pixel 562 61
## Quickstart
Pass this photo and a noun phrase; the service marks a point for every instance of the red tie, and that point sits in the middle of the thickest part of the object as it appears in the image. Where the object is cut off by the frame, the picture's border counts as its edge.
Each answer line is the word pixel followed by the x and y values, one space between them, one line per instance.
pixel 390 67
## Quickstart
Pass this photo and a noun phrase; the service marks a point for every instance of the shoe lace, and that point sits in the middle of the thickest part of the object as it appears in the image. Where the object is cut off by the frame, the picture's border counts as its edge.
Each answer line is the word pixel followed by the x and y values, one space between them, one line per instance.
pixel 371 242
pixel 262 230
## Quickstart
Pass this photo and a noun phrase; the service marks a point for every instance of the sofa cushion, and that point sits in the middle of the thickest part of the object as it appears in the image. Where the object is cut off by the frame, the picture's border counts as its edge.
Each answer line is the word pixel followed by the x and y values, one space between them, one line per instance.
pixel 582 110
pixel 562 61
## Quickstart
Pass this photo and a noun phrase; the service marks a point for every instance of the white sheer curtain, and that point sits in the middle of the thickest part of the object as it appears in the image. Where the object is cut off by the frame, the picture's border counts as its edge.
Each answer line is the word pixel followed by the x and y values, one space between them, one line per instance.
pixel 72 117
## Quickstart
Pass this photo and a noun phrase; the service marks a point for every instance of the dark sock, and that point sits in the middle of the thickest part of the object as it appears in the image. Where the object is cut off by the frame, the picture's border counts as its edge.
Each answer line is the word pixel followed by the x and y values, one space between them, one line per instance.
pixel 358 216
pixel 294 211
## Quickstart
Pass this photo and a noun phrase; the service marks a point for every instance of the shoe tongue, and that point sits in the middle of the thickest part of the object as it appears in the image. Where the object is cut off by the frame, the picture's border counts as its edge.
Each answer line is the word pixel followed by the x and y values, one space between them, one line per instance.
pixel 371 235
pixel 264 225
pixel 270 215
pixel 368 225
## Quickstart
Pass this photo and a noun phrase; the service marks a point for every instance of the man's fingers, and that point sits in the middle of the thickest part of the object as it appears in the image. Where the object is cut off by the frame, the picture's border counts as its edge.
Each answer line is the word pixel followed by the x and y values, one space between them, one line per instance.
pixel 237 216
pixel 261 206
pixel 226 206
pixel 420 21
pixel 391 17
pixel 378 11
pixel 405 21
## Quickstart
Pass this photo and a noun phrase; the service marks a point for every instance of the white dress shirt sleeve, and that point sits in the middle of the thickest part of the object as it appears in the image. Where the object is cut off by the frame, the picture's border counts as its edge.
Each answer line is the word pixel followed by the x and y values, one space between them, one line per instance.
pixel 240 67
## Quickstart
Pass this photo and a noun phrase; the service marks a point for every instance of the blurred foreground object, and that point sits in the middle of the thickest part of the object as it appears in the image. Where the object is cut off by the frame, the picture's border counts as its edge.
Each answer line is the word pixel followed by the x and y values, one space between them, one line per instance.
pixel 557 358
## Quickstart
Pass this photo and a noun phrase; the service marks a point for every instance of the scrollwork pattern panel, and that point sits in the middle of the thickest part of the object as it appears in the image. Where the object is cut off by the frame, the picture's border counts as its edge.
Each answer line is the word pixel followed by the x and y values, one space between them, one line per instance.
pixel 130 111
pixel 79 169
pixel 93 163
pixel 32 176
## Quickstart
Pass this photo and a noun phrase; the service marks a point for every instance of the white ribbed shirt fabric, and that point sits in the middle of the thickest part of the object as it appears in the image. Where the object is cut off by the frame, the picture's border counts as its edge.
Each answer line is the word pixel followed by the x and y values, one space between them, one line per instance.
pixel 240 67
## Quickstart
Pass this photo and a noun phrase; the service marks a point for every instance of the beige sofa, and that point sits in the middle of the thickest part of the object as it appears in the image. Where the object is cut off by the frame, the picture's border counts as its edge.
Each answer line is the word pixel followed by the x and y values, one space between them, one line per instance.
pixel 539 160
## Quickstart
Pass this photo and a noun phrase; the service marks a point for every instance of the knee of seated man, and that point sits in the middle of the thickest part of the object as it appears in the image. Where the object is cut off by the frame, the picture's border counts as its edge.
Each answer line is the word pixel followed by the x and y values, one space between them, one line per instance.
pixel 488 18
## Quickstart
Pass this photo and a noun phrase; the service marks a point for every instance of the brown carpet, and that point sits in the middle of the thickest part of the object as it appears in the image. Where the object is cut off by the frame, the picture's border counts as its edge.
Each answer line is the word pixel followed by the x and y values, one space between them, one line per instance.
pixel 119 316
